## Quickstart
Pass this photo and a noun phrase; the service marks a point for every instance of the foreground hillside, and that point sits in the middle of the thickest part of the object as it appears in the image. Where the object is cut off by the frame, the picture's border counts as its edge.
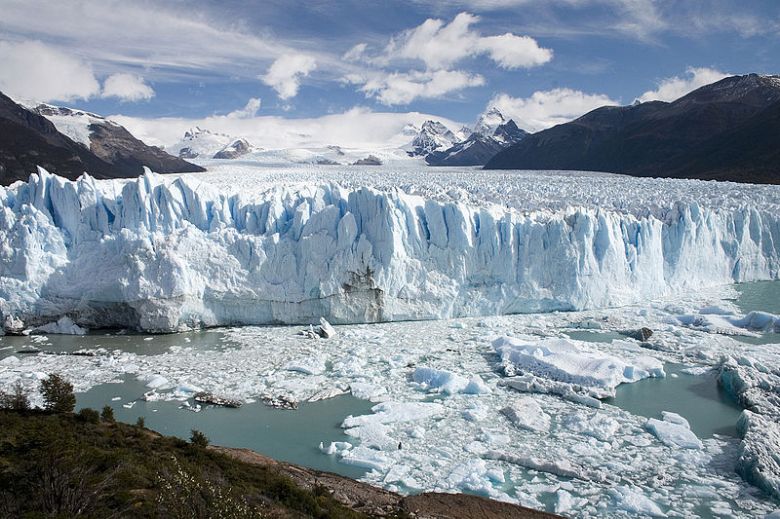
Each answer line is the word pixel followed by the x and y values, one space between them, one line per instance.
pixel 68 466
pixel 723 131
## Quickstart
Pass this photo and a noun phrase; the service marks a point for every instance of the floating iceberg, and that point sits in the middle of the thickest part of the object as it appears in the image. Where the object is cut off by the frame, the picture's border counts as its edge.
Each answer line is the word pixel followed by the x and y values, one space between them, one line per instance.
pixel 162 254
pixel 573 363
pixel 674 431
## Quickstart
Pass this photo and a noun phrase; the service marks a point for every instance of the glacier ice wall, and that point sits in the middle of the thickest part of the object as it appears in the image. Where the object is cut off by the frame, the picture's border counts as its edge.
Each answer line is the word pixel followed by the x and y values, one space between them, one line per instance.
pixel 163 255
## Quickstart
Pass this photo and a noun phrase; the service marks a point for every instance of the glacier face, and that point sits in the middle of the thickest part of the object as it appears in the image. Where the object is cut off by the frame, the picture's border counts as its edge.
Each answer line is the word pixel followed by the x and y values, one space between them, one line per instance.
pixel 165 254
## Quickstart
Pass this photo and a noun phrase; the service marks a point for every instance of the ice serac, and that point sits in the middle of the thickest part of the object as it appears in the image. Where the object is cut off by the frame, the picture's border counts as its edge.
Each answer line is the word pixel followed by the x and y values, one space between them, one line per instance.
pixel 168 254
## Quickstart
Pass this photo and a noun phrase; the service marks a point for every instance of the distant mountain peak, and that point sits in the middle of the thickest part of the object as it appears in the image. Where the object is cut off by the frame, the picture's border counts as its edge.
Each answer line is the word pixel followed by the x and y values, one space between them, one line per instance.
pixel 488 121
pixel 508 133
pixel 432 136
pixel 235 149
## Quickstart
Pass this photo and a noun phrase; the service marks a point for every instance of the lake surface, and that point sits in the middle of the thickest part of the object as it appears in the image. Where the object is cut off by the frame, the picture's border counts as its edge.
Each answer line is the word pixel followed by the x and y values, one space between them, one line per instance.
pixel 697 398
pixel 140 344
pixel 288 435
pixel 759 296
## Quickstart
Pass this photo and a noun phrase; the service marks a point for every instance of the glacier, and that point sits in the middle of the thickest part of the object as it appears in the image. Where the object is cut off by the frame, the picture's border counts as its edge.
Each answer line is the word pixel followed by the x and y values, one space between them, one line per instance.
pixel 164 254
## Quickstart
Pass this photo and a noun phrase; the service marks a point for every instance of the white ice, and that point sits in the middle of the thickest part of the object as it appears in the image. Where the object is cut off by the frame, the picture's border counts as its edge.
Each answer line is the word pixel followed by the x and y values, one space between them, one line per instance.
pixel 166 254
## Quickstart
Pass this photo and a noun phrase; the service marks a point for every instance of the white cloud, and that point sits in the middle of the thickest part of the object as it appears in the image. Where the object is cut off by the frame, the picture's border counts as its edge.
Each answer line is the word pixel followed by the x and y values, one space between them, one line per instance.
pixel 511 51
pixel 165 39
pixel 126 87
pixel 286 72
pixel 356 53
pixel 673 88
pixel 441 45
pixel 356 128
pixel 250 110
pixel 33 71
pixel 544 109
pixel 402 88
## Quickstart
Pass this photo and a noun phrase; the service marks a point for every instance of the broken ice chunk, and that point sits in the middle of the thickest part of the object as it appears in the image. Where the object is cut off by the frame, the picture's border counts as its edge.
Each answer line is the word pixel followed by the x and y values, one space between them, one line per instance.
pixel 526 413
pixel 673 431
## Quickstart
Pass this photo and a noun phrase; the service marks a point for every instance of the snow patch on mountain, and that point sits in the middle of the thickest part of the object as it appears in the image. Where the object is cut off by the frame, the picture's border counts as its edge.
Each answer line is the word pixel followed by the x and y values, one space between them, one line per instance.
pixel 76 124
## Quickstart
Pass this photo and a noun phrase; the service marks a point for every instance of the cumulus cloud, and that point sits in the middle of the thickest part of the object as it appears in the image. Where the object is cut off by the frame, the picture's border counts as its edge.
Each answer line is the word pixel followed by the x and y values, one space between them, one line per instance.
pixel 547 108
pixel 127 87
pixel 250 110
pixel 402 88
pixel 511 51
pixel 675 87
pixel 440 45
pixel 286 72
pixel 33 71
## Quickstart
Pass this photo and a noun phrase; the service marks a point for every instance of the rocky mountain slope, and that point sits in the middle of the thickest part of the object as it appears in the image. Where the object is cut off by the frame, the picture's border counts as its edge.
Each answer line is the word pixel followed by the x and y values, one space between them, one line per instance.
pixel 72 142
pixel 725 131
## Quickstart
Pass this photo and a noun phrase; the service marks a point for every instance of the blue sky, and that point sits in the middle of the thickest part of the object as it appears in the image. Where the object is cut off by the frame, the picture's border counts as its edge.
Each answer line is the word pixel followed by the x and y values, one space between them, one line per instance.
pixel 541 60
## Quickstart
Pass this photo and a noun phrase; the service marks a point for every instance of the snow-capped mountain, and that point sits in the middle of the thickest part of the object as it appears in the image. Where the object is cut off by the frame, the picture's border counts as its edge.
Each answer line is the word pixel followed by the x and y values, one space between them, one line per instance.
pixel 492 133
pixel 200 143
pixel 234 150
pixel 489 121
pixel 508 133
pixel 474 151
pixel 74 123
pixel 71 142
pixel 493 124
pixel 432 136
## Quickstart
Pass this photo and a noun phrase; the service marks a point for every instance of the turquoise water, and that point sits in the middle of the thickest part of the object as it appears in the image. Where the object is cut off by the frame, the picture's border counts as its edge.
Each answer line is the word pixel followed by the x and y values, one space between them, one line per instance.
pixel 698 398
pixel 759 296
pixel 594 336
pixel 140 344
pixel 292 436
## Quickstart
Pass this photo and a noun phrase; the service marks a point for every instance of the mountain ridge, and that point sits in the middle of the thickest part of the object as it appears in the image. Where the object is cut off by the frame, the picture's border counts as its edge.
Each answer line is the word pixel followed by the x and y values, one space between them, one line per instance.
pixel 100 147
pixel 664 139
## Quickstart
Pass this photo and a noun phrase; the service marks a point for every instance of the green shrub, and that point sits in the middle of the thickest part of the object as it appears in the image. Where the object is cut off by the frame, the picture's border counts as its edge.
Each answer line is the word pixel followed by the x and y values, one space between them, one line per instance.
pixel 198 439
pixel 88 415
pixel 141 422
pixel 58 394
pixel 107 414
pixel 16 400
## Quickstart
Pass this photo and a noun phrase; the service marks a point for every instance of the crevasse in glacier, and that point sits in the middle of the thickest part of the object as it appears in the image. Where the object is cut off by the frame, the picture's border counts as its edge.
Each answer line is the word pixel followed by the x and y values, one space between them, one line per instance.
pixel 169 254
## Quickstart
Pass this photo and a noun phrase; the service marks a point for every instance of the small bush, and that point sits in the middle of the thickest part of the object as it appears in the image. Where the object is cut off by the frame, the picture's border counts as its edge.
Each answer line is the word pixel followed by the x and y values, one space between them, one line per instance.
pixel 58 394
pixel 107 414
pixel 198 439
pixel 88 415
pixel 141 422
pixel 16 400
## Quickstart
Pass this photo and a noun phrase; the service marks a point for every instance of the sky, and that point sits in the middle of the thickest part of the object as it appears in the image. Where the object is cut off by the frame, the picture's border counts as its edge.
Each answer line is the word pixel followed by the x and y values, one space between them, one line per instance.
pixel 542 62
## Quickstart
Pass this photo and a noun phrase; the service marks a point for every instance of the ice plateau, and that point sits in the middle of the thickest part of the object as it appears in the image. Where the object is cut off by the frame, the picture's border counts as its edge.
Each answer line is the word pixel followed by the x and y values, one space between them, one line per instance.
pixel 165 254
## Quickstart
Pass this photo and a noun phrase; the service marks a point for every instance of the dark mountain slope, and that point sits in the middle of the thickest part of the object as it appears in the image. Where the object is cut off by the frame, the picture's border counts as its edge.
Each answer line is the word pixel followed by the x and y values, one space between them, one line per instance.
pixel 676 139
pixel 28 139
